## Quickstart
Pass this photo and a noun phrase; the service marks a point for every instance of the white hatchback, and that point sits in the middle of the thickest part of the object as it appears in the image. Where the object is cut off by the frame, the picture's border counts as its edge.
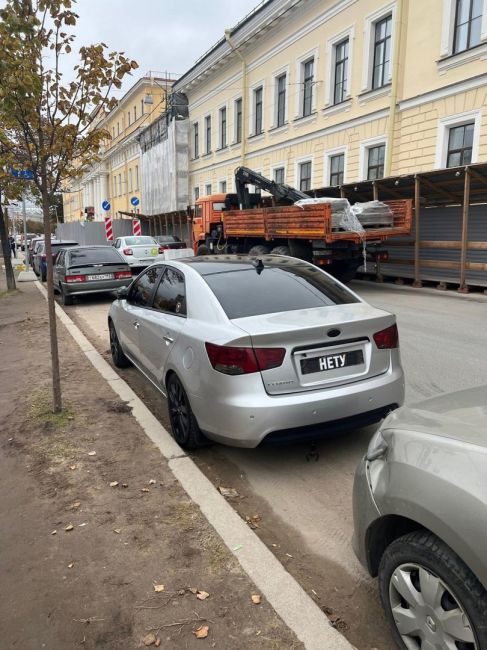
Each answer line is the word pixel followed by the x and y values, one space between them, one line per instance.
pixel 139 251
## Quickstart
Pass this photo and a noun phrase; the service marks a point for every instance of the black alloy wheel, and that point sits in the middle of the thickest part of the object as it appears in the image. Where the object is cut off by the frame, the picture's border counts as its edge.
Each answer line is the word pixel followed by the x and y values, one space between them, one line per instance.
pixel 185 429
pixel 118 357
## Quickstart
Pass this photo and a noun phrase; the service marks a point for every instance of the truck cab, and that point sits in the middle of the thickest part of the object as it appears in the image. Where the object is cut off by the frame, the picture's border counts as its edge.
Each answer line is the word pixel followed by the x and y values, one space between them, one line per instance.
pixel 208 218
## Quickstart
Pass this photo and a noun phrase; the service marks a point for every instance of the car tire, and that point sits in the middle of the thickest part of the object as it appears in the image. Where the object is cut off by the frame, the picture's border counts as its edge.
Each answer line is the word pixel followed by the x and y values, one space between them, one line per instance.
pixel 419 567
pixel 118 357
pixel 281 250
pixel 184 427
pixel 202 250
pixel 66 299
pixel 260 249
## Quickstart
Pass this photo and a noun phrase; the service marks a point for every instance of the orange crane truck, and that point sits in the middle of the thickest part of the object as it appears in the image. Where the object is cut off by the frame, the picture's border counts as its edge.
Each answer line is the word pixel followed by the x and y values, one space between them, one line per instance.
pixel 237 223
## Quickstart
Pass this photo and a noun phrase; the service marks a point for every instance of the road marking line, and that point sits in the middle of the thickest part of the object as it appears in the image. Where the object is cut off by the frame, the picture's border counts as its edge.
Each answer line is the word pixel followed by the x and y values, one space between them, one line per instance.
pixel 289 600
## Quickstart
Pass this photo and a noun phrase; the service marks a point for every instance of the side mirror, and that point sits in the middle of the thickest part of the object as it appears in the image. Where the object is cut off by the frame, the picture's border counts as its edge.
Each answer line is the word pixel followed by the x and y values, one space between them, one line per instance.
pixel 122 293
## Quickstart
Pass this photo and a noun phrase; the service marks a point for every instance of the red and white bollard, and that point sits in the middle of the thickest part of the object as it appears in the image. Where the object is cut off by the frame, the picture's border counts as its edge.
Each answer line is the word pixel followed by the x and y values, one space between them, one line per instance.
pixel 109 228
pixel 136 228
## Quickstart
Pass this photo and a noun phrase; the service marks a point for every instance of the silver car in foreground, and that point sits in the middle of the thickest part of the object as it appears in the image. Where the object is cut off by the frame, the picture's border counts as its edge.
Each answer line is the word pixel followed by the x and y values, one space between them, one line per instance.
pixel 249 349
pixel 420 514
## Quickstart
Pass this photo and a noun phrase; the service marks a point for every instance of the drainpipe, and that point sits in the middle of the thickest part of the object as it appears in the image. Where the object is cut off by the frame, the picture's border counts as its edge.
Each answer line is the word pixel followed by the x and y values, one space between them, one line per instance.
pixel 398 27
pixel 244 95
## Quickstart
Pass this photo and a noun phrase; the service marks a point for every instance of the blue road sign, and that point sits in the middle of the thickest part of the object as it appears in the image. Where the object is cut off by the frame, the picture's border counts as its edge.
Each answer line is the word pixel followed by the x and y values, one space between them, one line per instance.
pixel 134 201
pixel 25 174
pixel 106 205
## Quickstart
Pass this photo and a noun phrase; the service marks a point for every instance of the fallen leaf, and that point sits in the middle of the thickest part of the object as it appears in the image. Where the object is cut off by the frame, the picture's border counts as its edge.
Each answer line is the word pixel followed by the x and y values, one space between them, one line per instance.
pixel 289 554
pixel 256 599
pixel 53 532
pixel 202 632
pixel 75 505
pixel 145 490
pixel 125 485
pixel 228 492
pixel 152 482
pixel 158 642
pixel 193 590
pixel 72 467
pixel 202 595
pixel 158 588
pixel 117 530
pixel 238 547
pixel 113 483
pixel 83 524
pixel 69 527
pixel 92 453
pixel 70 565
pixel 149 639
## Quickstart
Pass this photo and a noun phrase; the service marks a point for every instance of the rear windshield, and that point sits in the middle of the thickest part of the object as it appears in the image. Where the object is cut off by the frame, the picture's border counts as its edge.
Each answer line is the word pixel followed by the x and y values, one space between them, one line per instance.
pixel 57 247
pixel 244 292
pixel 143 241
pixel 167 238
pixel 104 255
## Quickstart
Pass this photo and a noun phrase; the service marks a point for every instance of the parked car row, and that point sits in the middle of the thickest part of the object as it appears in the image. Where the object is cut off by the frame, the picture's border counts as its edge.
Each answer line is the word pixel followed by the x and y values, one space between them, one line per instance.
pixel 252 350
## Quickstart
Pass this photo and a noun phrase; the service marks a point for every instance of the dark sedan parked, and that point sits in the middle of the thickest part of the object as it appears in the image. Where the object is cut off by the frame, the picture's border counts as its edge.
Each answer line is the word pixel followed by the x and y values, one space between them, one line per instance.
pixel 169 242
pixel 89 269
pixel 39 263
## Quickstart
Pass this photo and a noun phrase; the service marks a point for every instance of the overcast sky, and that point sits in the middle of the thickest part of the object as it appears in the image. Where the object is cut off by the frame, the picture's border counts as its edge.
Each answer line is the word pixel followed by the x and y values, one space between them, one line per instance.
pixel 161 35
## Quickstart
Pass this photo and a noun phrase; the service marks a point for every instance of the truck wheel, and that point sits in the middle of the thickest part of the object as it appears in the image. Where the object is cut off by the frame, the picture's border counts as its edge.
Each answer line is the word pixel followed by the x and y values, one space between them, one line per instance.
pixel 301 248
pixel 344 271
pixel 281 250
pixel 260 249
pixel 202 250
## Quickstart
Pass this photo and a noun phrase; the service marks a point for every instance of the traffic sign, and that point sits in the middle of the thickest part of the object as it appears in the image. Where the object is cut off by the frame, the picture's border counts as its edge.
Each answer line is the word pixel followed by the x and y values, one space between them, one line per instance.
pixel 106 205
pixel 25 174
pixel 134 201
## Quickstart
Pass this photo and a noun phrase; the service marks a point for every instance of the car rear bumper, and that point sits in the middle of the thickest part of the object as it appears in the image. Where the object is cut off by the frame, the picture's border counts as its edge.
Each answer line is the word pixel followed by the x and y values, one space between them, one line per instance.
pixel 94 286
pixel 245 419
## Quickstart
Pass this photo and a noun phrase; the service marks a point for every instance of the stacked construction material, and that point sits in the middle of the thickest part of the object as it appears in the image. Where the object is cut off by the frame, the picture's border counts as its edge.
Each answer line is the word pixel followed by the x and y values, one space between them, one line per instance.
pixel 342 217
pixel 373 214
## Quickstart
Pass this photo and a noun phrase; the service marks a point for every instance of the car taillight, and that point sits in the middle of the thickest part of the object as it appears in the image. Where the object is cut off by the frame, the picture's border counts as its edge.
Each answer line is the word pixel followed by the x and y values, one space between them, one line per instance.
pixel 242 361
pixel 163 248
pixel 75 278
pixel 128 251
pixel 121 275
pixel 43 257
pixel 388 338
pixel 382 257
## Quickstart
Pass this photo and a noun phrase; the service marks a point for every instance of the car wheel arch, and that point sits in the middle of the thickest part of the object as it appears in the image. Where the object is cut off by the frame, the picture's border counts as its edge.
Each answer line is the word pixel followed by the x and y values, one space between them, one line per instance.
pixel 382 532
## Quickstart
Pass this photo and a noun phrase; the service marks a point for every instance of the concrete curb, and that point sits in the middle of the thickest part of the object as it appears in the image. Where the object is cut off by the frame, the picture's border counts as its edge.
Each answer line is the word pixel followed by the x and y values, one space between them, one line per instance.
pixel 298 611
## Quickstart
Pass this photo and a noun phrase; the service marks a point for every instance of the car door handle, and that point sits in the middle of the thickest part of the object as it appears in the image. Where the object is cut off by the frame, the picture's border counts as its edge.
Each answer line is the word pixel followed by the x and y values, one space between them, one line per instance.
pixel 136 324
pixel 168 339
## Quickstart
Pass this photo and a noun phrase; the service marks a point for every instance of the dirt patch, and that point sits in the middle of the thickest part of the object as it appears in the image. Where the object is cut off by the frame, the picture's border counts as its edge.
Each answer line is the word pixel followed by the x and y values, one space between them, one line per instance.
pixel 92 519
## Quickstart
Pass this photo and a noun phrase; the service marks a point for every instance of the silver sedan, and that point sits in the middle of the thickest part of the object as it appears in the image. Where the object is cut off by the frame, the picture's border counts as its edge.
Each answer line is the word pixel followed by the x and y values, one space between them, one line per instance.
pixel 251 349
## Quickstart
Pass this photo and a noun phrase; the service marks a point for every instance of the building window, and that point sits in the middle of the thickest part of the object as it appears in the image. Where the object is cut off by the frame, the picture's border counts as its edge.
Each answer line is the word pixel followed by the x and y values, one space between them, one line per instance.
pixel 196 140
pixel 113 132
pixel 382 52
pixel 208 189
pixel 114 183
pixel 120 185
pixel 341 72
pixel 337 166
pixel 238 120
pixel 281 99
pixel 196 192
pixel 468 22
pixel 130 180
pixel 307 105
pixel 258 92
pixel 128 117
pixel 279 175
pixel 141 106
pixel 375 161
pixel 135 113
pixel 460 145
pixel 136 177
pixel 208 134
pixel 223 186
pixel 305 176
pixel 118 128
pixel 223 127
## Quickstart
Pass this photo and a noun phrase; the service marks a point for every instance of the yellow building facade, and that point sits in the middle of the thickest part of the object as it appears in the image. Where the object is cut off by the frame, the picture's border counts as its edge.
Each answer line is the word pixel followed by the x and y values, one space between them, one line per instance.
pixel 117 178
pixel 323 92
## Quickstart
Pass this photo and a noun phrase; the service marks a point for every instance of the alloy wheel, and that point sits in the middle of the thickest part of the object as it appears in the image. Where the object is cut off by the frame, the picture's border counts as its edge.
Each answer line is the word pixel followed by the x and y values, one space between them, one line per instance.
pixel 179 411
pixel 427 614
pixel 113 342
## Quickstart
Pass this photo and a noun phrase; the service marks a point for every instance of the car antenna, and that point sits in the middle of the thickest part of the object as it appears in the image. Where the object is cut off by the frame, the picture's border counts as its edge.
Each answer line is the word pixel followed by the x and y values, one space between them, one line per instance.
pixel 259 265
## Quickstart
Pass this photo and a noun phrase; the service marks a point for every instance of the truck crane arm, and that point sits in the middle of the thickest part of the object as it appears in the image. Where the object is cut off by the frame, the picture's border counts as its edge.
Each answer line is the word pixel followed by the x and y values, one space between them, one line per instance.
pixel 282 192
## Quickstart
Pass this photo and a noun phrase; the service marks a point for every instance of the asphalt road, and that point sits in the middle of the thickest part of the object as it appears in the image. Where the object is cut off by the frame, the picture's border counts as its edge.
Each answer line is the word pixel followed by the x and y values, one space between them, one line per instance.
pixel 305 505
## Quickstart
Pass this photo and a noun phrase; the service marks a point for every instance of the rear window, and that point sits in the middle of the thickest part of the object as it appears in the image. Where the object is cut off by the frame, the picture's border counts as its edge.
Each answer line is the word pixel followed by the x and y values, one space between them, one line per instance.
pixel 105 255
pixel 244 293
pixel 142 241
pixel 57 247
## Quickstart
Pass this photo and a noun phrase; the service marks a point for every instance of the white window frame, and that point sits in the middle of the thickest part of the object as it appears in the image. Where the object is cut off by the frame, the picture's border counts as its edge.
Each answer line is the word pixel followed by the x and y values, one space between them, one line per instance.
pixel 130 179
pixel 208 185
pixel 365 145
pixel 331 58
pixel 196 187
pixel 220 181
pixel 297 165
pixel 193 149
pixel 251 118
pixel 136 178
pixel 300 61
pixel 220 144
pixel 278 165
pixel 234 104
pixel 327 166
pixel 274 105
pixel 444 126
pixel 369 41
pixel 206 151
pixel 448 28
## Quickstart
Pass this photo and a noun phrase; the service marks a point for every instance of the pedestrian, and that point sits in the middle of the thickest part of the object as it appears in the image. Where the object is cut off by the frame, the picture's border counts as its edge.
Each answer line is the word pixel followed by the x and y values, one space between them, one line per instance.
pixel 12 246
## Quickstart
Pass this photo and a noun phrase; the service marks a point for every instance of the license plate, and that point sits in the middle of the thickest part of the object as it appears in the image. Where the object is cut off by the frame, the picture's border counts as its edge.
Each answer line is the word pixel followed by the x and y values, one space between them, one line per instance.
pixel 100 276
pixel 335 361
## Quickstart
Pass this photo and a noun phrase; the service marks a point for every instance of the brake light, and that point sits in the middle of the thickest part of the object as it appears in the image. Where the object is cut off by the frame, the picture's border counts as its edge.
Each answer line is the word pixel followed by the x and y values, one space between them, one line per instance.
pixel 387 339
pixel 128 251
pixel 121 275
pixel 163 248
pixel 43 257
pixel 75 278
pixel 243 361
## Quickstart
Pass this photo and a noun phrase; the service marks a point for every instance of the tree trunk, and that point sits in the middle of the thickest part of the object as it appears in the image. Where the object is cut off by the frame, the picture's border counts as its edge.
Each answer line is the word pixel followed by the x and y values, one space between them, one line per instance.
pixel 51 306
pixel 6 250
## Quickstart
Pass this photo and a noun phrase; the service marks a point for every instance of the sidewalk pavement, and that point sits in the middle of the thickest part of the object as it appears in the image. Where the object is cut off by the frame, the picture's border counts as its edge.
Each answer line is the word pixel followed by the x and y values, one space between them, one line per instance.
pixel 101 545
